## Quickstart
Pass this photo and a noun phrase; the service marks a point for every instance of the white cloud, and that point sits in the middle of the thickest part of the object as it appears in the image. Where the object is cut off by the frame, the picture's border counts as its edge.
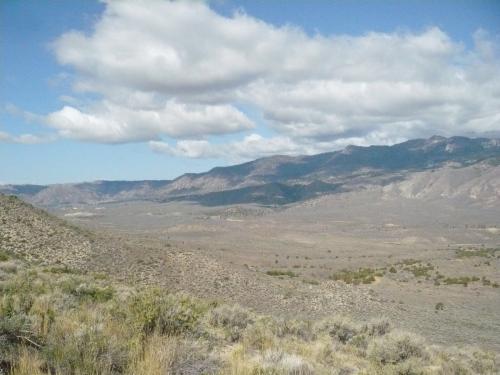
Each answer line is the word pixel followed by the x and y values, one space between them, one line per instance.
pixel 188 148
pixel 29 117
pixel 254 146
pixel 179 69
pixel 111 123
pixel 24 138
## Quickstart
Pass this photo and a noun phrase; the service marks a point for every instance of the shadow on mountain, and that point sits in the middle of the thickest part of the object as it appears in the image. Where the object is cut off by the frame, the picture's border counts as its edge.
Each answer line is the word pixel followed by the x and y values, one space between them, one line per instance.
pixel 267 194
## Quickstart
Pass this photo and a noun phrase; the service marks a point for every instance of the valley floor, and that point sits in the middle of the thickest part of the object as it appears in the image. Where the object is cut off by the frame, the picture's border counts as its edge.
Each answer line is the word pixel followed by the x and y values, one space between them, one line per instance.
pixel 433 268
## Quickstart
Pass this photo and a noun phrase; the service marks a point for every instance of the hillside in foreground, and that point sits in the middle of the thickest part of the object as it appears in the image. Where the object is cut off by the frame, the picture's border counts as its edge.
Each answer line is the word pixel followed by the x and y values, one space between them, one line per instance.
pixel 37 236
pixel 66 308
pixel 57 316
pixel 54 320
pixel 59 319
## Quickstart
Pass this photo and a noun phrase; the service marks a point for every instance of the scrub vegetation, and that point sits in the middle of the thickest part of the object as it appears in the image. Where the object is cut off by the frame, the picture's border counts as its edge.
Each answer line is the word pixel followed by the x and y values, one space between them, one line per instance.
pixel 54 320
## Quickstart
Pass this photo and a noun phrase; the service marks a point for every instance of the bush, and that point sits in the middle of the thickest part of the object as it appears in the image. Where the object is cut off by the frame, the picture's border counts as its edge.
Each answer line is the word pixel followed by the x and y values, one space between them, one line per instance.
pixel 463 280
pixel 302 329
pixel 378 327
pixel 310 281
pixel 153 311
pixel 474 252
pixel 55 323
pixel 93 292
pixel 4 256
pixel 233 319
pixel 361 276
pixel 281 273
pixel 340 329
pixel 261 335
pixel 87 342
pixel 396 347
pixel 14 330
pixel 420 270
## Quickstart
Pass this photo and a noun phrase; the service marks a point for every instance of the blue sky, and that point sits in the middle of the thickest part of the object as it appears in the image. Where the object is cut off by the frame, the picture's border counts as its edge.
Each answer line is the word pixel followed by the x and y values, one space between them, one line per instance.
pixel 213 114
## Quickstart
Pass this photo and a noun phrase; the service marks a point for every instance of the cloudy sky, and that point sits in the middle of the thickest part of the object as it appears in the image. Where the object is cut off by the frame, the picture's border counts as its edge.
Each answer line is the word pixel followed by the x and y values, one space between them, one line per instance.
pixel 152 89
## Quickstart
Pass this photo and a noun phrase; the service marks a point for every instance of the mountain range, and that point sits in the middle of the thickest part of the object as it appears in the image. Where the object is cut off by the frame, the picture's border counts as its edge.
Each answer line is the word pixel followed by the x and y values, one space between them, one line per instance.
pixel 278 180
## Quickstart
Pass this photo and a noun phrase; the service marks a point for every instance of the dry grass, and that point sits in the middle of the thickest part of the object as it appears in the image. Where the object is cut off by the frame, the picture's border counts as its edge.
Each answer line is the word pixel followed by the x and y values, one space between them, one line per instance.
pixel 48 328
pixel 157 356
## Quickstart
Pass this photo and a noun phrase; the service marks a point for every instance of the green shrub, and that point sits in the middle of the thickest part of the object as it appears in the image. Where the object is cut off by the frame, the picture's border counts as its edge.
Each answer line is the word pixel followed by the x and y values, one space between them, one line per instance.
pixel 462 280
pixel 152 310
pixel 4 256
pixel 281 273
pixel 91 292
pixel 361 276
pixel 420 270
pixel 408 262
pixel 474 252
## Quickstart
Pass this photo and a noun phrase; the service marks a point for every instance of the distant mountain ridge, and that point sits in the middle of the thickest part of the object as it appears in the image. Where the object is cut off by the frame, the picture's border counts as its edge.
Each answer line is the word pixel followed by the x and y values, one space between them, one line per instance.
pixel 280 179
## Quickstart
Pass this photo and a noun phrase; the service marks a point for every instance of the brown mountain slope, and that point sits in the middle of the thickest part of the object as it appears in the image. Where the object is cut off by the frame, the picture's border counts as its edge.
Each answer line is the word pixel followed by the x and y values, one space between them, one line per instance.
pixel 278 180
pixel 37 236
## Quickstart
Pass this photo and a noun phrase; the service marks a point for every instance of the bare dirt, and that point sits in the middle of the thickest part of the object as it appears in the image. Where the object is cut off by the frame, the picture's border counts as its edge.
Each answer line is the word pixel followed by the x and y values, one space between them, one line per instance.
pixel 226 253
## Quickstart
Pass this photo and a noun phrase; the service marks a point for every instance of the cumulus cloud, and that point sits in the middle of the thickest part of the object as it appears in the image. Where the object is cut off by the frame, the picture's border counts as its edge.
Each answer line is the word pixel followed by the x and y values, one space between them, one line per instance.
pixel 112 123
pixel 180 70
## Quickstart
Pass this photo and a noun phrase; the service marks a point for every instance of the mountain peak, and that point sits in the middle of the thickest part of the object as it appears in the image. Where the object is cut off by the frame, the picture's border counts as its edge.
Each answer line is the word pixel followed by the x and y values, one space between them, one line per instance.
pixel 437 138
pixel 291 178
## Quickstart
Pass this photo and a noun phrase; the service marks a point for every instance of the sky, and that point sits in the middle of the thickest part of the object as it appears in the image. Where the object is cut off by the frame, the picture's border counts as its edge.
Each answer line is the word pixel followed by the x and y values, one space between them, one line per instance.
pixel 132 90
